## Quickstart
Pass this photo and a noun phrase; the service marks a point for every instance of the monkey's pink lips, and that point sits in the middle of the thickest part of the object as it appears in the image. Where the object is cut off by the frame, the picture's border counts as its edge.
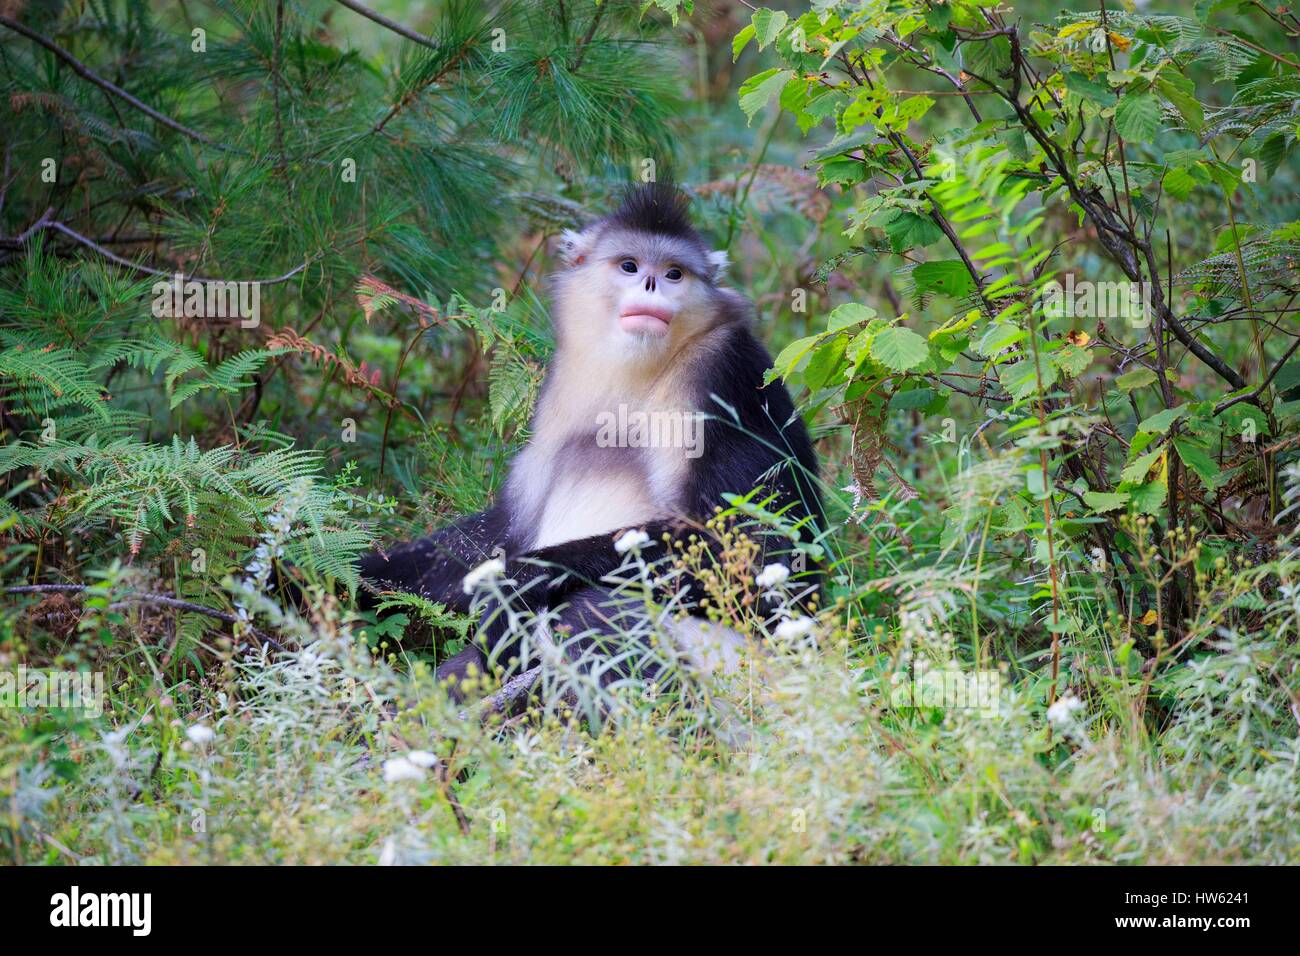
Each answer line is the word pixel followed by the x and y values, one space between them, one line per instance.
pixel 648 318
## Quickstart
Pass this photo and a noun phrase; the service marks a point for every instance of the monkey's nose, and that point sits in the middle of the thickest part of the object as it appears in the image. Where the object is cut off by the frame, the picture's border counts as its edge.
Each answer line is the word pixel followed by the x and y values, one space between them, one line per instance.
pixel 649 283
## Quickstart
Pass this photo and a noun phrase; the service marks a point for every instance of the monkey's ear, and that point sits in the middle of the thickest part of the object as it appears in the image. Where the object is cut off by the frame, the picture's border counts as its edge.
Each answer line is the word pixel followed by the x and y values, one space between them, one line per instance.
pixel 719 260
pixel 573 247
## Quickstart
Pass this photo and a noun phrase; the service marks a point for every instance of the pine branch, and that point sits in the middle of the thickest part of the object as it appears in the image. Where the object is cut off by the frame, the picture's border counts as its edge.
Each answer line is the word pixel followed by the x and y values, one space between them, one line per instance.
pixel 87 74
pixel 45 222
pixel 586 40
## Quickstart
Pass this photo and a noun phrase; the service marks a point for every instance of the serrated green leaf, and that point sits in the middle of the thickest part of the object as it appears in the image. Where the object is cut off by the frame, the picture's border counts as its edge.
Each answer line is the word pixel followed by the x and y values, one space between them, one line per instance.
pixel 912 398
pixel 1138 378
pixel 1072 360
pixel 910 231
pixel 768 25
pixel 1020 380
pixel 1103 501
pixel 1197 457
pixel 899 349
pixel 758 90
pixel 1179 183
pixel 1181 92
pixel 1137 117
pixel 948 276
pixel 823 362
pixel 1136 471
pixel 999 336
pixel 1087 89
pixel 1150 497
pixel 792 354
pixel 1159 423
pixel 849 314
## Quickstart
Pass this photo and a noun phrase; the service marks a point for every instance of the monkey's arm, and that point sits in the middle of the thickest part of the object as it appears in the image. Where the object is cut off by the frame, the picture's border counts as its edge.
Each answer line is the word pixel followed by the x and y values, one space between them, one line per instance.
pixel 585 562
pixel 435 567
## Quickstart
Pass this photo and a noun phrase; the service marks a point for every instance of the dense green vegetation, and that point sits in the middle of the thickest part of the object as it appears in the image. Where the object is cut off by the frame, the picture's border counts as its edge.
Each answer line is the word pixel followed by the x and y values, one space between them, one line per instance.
pixel 1029 273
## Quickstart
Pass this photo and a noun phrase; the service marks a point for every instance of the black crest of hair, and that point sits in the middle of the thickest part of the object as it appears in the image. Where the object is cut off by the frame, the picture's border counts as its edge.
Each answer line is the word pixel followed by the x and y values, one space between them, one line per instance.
pixel 658 207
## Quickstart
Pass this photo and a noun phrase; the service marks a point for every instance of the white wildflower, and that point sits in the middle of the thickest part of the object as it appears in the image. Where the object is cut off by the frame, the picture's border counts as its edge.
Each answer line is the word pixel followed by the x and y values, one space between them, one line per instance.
pixel 772 576
pixel 200 735
pixel 422 758
pixel 484 572
pixel 1062 712
pixel 397 769
pixel 794 628
pixel 631 541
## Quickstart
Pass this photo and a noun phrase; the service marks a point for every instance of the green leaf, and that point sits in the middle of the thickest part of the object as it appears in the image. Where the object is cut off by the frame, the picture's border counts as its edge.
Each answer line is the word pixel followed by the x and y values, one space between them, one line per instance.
pixel 938 17
pixel 999 336
pixel 1149 498
pixel 947 276
pixel 910 231
pixel 1137 117
pixel 768 25
pixel 899 349
pixel 1136 471
pixel 1102 501
pixel 1159 423
pixel 756 91
pixel 1037 487
pixel 1072 360
pixel 1181 92
pixel 1087 89
pixel 841 170
pixel 848 315
pixel 1138 378
pixel 1197 457
pixel 1179 183
pixel 741 41
pixel 824 362
pixel 792 354
pixel 1273 151
pixel 912 398
pixel 1020 380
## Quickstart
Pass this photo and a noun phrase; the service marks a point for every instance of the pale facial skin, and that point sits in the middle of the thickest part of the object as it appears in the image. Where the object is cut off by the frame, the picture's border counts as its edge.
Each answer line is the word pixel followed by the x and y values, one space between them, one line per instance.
pixel 634 296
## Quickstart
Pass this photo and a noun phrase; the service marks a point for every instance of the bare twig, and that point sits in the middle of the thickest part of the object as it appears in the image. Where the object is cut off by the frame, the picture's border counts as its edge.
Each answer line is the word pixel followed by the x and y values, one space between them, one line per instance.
pixel 513 697
pixel 1259 390
pixel 393 25
pixel 142 597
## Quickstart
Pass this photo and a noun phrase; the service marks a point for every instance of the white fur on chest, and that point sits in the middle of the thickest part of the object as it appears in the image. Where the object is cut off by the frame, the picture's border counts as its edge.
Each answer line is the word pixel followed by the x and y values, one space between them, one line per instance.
pixel 569 483
pixel 579 506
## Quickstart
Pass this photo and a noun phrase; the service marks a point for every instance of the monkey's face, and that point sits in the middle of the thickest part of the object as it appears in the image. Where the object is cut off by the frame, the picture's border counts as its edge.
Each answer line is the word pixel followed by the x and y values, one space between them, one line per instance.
pixel 639 293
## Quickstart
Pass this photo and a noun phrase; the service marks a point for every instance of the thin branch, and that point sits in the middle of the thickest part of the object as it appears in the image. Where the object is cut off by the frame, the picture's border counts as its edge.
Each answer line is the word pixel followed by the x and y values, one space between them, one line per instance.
pixel 142 597
pixel 1259 49
pixel 45 222
pixel 1259 390
pixel 393 25
pixel 586 40
pixel 1118 240
pixel 513 696
pixel 87 74
pixel 938 218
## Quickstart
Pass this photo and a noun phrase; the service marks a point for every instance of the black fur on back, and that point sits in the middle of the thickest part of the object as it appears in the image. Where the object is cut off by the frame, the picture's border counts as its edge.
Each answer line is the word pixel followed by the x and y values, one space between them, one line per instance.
pixel 658 207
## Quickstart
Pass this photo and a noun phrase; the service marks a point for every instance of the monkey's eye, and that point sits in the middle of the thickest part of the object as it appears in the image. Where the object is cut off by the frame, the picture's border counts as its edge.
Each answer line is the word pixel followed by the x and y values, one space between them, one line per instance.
pixel 628 266
pixel 673 275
